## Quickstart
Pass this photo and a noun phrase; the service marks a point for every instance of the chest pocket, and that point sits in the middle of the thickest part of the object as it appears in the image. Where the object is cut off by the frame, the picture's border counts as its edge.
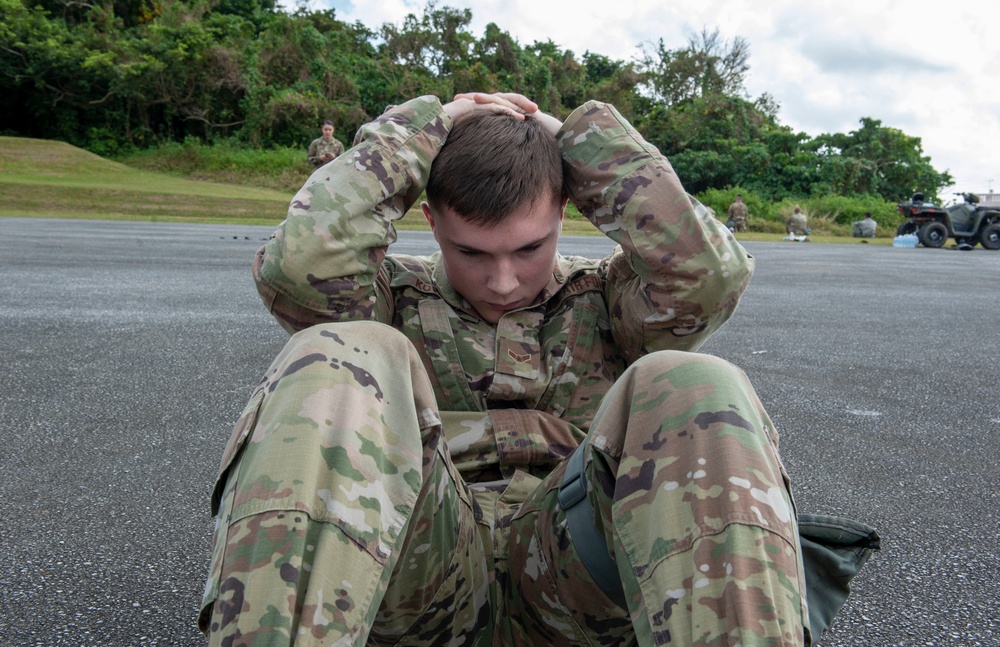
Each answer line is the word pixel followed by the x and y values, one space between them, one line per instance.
pixel 573 364
pixel 519 352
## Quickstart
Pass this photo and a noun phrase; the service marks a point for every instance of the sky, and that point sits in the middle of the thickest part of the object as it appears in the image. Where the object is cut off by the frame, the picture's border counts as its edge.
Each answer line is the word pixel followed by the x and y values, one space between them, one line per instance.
pixel 932 72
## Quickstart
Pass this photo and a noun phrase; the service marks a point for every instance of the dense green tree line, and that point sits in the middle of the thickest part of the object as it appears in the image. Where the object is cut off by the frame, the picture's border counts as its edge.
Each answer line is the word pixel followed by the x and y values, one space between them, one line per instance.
pixel 111 75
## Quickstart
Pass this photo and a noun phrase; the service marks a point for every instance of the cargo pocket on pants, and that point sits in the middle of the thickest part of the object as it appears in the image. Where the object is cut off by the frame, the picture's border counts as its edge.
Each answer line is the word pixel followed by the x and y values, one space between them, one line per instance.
pixel 223 496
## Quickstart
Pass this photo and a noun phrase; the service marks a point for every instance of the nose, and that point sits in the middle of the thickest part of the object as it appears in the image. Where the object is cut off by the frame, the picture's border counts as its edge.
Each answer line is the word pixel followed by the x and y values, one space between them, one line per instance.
pixel 502 278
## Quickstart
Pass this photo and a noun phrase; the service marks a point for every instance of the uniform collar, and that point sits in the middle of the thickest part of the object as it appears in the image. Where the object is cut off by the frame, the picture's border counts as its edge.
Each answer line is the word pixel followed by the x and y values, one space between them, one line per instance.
pixel 445 289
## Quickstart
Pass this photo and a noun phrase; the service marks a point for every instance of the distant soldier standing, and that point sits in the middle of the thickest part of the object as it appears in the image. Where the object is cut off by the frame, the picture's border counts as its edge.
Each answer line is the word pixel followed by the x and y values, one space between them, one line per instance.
pixel 325 148
pixel 738 214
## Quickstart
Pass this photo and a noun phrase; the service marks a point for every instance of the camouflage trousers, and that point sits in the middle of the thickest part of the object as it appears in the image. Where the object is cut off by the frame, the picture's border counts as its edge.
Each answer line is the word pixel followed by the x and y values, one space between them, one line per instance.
pixel 342 520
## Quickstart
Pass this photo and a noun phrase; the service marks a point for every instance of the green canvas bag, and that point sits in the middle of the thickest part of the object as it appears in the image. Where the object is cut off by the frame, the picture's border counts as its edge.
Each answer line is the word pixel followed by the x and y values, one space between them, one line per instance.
pixel 834 550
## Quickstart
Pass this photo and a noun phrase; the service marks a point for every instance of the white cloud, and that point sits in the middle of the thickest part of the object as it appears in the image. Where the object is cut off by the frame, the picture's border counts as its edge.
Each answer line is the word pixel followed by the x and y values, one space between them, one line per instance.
pixel 928 70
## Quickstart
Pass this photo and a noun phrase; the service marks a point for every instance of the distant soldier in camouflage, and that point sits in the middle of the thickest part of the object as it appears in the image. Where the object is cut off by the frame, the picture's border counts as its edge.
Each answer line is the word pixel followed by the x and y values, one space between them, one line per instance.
pixel 797 223
pixel 325 148
pixel 738 214
pixel 395 478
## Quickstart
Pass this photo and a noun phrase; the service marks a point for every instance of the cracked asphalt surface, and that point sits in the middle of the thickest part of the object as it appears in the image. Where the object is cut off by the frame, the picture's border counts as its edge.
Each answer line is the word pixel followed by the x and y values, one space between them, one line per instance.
pixel 128 350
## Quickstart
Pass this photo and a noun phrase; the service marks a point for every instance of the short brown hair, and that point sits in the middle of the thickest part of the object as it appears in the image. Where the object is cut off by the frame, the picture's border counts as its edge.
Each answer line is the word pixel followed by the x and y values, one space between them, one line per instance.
pixel 491 164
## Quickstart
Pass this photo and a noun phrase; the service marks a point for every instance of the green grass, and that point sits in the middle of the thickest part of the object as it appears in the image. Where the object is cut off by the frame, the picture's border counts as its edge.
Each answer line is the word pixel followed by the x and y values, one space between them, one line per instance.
pixel 50 179
pixel 191 182
pixel 227 162
pixel 45 178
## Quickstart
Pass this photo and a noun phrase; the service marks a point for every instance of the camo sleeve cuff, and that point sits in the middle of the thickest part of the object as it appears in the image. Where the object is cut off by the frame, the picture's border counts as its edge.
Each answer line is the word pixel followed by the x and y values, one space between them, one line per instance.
pixel 680 272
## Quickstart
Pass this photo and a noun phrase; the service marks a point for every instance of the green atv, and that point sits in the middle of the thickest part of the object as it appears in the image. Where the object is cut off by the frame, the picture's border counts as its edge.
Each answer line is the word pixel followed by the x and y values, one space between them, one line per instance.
pixel 967 222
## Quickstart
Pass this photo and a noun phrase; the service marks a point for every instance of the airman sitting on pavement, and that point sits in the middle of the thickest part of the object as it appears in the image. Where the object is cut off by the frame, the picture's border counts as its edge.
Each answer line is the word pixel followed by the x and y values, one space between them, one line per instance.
pixel 498 444
pixel 796 226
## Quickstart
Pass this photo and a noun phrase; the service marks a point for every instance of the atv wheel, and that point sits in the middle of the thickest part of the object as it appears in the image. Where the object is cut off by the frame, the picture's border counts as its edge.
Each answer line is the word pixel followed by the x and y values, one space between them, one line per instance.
pixel 990 236
pixel 933 234
pixel 908 227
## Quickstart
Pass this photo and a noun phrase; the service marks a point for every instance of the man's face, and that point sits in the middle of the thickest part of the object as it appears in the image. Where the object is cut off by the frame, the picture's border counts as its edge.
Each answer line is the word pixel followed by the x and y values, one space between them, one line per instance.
pixel 501 268
pixel 327 132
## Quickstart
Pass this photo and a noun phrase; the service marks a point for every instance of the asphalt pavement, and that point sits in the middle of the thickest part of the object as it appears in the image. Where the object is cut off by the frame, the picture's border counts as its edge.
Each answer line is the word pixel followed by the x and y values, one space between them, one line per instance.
pixel 128 350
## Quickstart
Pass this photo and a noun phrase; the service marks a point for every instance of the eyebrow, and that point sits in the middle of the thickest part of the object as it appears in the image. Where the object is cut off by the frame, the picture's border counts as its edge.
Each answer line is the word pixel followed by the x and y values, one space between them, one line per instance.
pixel 534 243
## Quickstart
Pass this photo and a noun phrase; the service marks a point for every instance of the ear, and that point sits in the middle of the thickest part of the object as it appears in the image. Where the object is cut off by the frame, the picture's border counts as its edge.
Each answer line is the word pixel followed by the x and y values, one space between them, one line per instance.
pixel 562 210
pixel 426 210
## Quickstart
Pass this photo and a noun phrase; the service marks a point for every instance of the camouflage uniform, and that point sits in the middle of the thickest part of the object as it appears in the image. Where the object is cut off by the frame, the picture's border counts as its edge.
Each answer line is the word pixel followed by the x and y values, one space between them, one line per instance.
pixel 393 478
pixel 796 224
pixel 738 213
pixel 320 147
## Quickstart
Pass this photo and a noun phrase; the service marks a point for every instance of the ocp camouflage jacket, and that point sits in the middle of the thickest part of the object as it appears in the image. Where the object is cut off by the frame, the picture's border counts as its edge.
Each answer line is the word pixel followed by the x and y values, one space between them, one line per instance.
pixel 518 395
